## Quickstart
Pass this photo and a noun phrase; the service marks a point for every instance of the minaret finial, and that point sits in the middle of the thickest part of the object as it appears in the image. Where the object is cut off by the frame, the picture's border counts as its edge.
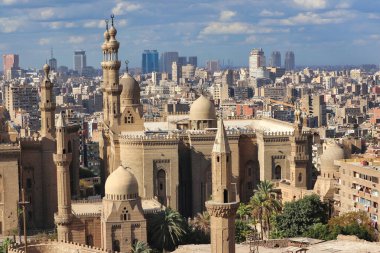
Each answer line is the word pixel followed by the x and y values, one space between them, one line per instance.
pixel 126 66
pixel 112 17
pixel 106 20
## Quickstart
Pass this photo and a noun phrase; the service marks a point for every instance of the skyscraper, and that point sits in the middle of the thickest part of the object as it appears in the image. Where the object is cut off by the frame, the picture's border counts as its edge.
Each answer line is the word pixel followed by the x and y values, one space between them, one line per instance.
pixel 53 62
pixel 10 65
pixel 256 60
pixel 79 61
pixel 289 60
pixel 149 61
pixel 212 65
pixel 182 60
pixel 193 60
pixel 167 58
pixel 275 59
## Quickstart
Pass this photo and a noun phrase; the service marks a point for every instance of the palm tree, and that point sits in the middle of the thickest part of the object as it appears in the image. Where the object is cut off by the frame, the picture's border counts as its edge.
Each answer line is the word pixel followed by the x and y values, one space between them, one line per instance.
pixel 167 229
pixel 264 205
pixel 201 222
pixel 244 211
pixel 141 247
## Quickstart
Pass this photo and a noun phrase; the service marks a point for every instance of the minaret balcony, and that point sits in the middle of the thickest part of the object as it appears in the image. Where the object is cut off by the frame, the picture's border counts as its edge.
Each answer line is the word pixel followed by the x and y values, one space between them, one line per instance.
pixel 223 210
pixel 47 106
pixel 62 219
pixel 61 159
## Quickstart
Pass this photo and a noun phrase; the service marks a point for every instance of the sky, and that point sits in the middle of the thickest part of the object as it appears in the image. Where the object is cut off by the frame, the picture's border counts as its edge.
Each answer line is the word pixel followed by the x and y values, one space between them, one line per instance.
pixel 320 32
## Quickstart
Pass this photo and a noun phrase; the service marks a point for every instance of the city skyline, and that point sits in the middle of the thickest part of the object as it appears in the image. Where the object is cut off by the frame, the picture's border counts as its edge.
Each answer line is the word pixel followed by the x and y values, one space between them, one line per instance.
pixel 320 32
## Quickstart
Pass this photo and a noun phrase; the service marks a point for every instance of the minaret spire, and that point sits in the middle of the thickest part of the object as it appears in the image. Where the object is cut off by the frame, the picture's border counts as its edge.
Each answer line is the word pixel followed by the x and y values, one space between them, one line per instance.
pixel 47 105
pixel 223 206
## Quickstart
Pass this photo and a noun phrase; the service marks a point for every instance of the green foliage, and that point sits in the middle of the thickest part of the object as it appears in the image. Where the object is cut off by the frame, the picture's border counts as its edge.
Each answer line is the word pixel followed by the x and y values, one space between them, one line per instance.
pixel 198 230
pixel 244 211
pixel 167 229
pixel 298 216
pixel 4 245
pixel 263 206
pixel 85 173
pixel 242 231
pixel 141 247
pixel 320 231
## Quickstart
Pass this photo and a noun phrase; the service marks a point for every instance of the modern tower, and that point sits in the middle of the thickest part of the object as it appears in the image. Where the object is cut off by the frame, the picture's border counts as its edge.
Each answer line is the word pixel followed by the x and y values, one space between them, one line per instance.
pixel 167 58
pixel 256 60
pixel 289 60
pixel 275 59
pixel 10 65
pixel 79 61
pixel 149 61
pixel 193 60
pixel 47 105
pixel 53 61
pixel 182 60
pixel 62 159
pixel 223 206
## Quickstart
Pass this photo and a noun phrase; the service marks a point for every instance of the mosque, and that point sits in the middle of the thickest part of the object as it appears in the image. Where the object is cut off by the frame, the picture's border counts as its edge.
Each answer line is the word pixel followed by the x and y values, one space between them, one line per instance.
pixel 148 166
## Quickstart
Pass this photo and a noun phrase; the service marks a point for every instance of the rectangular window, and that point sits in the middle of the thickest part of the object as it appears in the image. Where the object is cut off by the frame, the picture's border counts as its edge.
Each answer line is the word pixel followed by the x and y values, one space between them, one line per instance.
pixel 29 183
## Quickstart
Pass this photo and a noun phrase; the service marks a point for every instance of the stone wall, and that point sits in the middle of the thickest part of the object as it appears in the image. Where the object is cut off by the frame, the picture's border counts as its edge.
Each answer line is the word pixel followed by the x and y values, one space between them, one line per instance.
pixel 56 247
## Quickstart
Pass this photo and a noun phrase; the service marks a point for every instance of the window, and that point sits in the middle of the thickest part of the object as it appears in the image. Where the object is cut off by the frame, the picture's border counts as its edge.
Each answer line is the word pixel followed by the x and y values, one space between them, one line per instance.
pixel 225 195
pixel 300 177
pixel 217 158
pixel 29 183
pixel 116 245
pixel 124 214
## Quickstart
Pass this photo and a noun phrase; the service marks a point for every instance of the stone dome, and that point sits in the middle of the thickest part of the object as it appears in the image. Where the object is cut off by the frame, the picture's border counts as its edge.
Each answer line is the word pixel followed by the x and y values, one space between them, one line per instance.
pixel 121 185
pixel 331 151
pixel 202 109
pixel 131 89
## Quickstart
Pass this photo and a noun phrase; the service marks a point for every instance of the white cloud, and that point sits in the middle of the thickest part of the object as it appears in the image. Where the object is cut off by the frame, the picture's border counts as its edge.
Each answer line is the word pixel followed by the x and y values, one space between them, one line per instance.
pixel 344 4
pixel 311 4
pixel 268 13
pixel 46 13
pixel 311 18
pixel 76 39
pixel 44 41
pixel 124 7
pixel 9 2
pixel 58 25
pixel 8 25
pixel 250 39
pixel 122 23
pixel 226 15
pixel 237 28
pixel 373 16
pixel 94 24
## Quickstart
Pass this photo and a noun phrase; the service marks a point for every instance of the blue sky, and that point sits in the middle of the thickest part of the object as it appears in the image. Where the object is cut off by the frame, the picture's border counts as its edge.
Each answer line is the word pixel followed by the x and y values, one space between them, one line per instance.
pixel 318 31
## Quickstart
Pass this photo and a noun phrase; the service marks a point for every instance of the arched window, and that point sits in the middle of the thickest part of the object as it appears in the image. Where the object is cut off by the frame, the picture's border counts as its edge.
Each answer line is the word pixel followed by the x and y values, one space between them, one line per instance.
pixel 90 240
pixel 300 177
pixel 69 147
pixel 124 214
pixel 277 172
pixel 225 196
pixel 116 245
pixel 161 186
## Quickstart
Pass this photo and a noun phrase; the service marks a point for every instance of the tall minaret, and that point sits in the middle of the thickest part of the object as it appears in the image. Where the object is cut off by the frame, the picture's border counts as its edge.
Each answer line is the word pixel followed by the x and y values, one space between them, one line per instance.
pixel 113 88
pixel 223 206
pixel 47 105
pixel 62 159
pixel 105 75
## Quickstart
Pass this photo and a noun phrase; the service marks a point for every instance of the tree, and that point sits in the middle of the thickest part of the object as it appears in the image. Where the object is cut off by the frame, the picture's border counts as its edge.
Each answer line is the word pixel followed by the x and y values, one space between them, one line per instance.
pixel 4 245
pixel 298 216
pixel 244 211
pixel 141 247
pixel 242 231
pixel 264 205
pixel 201 222
pixel 167 228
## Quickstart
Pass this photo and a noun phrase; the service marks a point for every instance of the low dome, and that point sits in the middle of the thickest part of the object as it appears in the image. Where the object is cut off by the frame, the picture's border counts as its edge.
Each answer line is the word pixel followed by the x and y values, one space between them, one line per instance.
pixel 331 151
pixel 202 109
pixel 131 89
pixel 121 185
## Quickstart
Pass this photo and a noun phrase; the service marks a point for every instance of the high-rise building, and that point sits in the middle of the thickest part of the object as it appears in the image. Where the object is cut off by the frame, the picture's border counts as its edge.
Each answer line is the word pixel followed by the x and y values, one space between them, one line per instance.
pixel 289 60
pixel 79 61
pixel 149 61
pixel 10 66
pixel 315 108
pixel 182 60
pixel 193 60
pixel 176 72
pixel 275 59
pixel 188 71
pixel 212 65
pixel 256 61
pixel 53 62
pixel 167 58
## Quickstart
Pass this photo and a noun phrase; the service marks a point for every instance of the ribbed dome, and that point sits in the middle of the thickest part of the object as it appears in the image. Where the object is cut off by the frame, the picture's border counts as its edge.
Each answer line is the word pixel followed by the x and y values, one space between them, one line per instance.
pixel 121 185
pixel 331 151
pixel 112 31
pixel 131 89
pixel 202 109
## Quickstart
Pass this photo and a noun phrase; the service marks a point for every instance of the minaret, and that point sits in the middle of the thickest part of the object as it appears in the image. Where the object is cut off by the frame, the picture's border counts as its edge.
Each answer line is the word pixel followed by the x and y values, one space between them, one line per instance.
pixel 105 75
pixel 113 87
pixel 299 153
pixel 62 159
pixel 223 206
pixel 47 104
